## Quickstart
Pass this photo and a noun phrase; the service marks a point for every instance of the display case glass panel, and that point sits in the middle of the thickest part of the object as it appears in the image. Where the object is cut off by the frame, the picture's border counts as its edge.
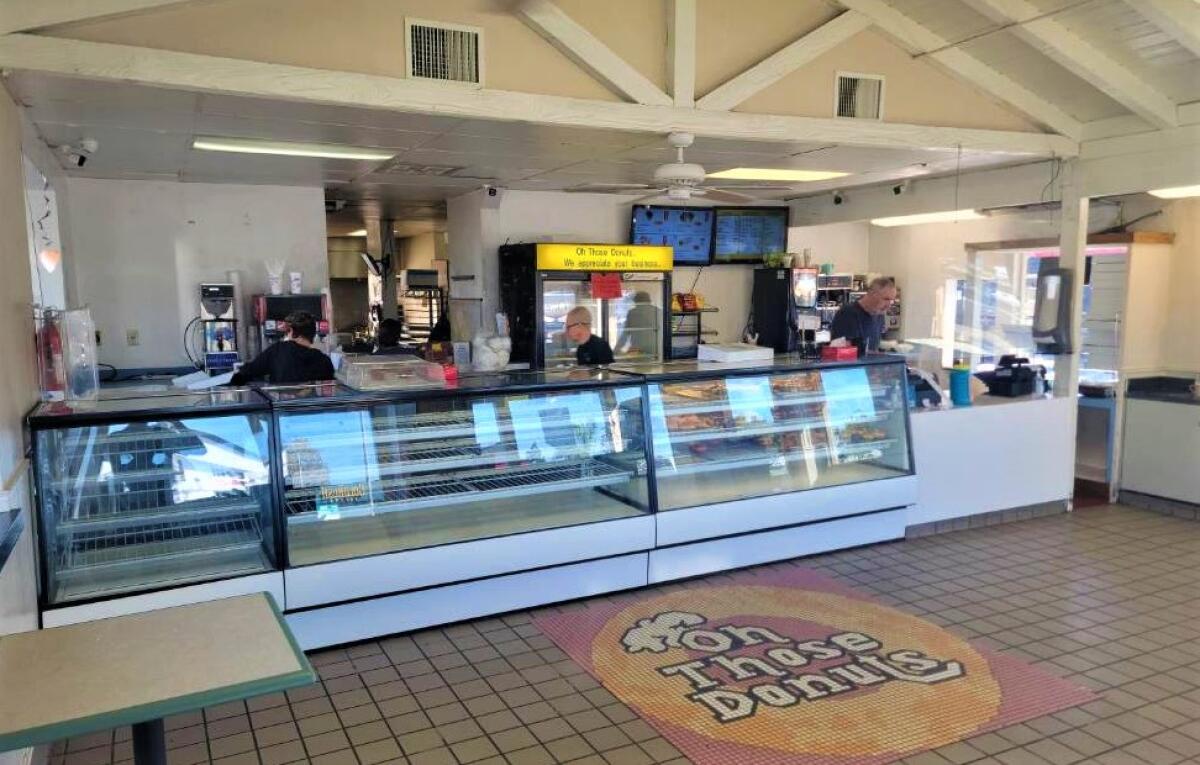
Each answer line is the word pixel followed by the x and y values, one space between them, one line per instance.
pixel 142 504
pixel 363 477
pixel 739 436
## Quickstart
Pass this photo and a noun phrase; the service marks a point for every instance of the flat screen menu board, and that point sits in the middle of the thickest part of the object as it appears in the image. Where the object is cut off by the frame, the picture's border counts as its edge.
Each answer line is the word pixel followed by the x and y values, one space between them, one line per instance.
pixel 687 229
pixel 745 234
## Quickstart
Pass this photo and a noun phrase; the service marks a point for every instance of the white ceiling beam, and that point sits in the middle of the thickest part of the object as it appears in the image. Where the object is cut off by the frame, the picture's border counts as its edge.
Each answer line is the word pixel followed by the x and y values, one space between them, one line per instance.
pixel 1178 18
pixel 23 15
pixel 213 74
pixel 586 50
pixel 681 52
pixel 966 67
pixel 785 61
pixel 1085 60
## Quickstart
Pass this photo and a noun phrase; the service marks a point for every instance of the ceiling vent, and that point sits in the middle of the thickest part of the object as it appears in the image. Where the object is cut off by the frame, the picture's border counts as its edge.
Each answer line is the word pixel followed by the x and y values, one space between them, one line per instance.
pixel 444 52
pixel 412 168
pixel 859 96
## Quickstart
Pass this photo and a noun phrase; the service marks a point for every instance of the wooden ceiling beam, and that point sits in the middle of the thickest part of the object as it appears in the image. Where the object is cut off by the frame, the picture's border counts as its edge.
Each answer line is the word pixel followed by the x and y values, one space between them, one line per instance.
pixel 681 52
pixel 1086 61
pixel 964 66
pixel 785 61
pixel 24 15
pixel 586 50
pixel 212 74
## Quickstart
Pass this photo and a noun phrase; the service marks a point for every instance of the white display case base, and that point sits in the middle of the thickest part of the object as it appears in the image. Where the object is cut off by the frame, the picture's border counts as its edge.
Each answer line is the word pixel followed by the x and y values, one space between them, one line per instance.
pixel 700 558
pixel 408 611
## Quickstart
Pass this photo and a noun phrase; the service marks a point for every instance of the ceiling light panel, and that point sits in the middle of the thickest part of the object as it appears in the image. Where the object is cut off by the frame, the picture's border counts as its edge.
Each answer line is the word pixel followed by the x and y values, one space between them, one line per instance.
pixel 946 216
pixel 1177 192
pixel 776 174
pixel 290 148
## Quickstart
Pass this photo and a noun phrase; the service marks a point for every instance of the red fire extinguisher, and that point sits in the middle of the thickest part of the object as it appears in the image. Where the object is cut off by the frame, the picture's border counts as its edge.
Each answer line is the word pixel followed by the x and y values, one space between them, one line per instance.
pixel 50 347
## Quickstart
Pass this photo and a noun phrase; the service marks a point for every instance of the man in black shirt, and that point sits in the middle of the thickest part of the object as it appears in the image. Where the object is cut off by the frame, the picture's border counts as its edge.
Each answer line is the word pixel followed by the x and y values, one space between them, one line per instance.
pixel 290 361
pixel 862 321
pixel 592 349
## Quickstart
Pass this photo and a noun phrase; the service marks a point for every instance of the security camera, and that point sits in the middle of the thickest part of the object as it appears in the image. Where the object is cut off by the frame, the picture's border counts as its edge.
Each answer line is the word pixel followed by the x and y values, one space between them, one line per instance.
pixel 77 155
pixel 900 188
pixel 492 191
pixel 838 198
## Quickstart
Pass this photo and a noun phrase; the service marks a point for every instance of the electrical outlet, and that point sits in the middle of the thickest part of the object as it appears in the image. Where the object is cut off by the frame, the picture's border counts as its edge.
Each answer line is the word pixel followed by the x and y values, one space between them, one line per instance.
pixel 131 337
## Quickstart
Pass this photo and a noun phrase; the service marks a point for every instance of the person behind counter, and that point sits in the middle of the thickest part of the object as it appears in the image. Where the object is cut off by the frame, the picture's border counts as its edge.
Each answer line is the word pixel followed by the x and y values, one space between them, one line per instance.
pixel 861 322
pixel 387 340
pixel 643 325
pixel 290 361
pixel 592 348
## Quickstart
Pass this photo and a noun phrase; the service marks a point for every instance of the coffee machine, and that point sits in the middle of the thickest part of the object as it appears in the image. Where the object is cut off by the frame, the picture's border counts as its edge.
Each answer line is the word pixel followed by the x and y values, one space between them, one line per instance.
pixel 784 305
pixel 218 320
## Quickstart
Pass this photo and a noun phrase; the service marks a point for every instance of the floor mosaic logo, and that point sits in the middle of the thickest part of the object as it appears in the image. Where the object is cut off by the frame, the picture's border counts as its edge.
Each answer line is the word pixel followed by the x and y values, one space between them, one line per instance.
pixel 789 667
pixel 796 671
pixel 782 674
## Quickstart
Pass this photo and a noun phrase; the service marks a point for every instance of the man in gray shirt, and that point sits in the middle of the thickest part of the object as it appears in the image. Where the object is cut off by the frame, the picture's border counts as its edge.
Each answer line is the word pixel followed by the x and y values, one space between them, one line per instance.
pixel 862 320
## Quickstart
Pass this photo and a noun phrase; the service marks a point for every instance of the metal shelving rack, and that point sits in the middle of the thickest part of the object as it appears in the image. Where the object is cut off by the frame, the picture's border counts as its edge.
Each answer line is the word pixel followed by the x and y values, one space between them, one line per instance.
pixel 420 308
pixel 688 324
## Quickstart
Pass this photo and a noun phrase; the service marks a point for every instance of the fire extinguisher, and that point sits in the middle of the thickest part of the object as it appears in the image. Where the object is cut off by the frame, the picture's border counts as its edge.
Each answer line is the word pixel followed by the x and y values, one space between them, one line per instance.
pixel 53 369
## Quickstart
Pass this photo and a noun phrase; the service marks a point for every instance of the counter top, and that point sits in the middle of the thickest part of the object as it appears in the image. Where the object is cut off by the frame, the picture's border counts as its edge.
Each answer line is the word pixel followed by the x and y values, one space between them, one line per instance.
pixel 141 405
pixel 986 401
pixel 1171 390
pixel 692 368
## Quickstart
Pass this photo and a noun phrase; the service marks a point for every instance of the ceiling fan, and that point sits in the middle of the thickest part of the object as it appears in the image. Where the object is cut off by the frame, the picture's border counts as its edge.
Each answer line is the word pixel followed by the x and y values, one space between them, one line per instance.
pixel 678 181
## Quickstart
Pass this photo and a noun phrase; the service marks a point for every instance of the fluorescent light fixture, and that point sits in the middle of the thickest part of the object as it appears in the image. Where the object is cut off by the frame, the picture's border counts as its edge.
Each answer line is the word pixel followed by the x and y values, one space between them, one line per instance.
pixel 289 148
pixel 773 174
pixel 1177 192
pixel 360 232
pixel 945 216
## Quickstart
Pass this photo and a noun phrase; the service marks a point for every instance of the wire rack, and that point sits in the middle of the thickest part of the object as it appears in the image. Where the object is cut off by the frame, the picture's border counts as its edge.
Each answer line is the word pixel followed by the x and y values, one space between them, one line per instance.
pixel 91 549
pixel 739 457
pixel 389 496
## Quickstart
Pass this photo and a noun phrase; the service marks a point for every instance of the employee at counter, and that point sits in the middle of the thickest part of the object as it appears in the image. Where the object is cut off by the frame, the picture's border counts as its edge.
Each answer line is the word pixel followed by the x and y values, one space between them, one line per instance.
pixel 292 360
pixel 592 348
pixel 861 322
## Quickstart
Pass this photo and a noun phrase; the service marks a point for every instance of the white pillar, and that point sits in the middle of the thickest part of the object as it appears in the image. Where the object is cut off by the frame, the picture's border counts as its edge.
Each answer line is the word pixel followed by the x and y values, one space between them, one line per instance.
pixel 1072 255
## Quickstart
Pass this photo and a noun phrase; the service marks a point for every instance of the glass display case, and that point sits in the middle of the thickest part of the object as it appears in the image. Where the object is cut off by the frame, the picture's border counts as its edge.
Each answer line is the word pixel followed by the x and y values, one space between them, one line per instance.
pixel 150 492
pixel 729 432
pixel 369 473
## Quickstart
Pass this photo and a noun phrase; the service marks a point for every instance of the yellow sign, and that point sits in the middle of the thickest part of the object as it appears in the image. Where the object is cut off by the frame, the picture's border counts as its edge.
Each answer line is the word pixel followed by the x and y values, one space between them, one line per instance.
pixel 604 257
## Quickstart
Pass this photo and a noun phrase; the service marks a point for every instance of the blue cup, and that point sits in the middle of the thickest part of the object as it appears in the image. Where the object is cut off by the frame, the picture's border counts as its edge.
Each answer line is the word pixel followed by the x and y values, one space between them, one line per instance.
pixel 960 386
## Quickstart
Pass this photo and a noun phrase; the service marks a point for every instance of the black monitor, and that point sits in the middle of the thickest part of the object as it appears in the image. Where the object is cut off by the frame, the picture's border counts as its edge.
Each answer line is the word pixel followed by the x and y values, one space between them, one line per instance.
pixel 746 234
pixel 688 230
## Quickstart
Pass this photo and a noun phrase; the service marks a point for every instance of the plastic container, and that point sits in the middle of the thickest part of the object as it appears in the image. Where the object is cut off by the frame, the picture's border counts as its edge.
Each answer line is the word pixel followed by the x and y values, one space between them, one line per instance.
pixel 384 373
pixel 960 386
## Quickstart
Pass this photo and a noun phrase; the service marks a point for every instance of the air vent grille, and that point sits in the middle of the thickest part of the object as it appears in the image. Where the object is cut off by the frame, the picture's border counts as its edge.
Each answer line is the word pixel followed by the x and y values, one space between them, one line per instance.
pixel 859 96
pixel 444 52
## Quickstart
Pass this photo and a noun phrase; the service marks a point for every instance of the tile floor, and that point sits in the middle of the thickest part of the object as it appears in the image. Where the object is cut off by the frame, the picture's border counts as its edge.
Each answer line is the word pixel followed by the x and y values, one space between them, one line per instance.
pixel 1108 596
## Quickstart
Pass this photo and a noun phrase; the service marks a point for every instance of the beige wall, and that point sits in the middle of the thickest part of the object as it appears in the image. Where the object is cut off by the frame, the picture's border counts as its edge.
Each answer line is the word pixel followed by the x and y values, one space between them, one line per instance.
pixel 419 251
pixel 1181 342
pixel 367 36
pixel 914 91
pixel 18 389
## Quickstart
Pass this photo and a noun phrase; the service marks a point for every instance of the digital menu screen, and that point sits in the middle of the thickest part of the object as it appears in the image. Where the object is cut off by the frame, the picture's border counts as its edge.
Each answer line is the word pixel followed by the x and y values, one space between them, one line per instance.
pixel 745 234
pixel 687 229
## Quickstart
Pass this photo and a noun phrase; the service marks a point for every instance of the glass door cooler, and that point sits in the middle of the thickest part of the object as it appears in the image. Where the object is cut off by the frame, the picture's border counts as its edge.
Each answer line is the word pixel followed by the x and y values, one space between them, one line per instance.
pixel 626 288
pixel 149 493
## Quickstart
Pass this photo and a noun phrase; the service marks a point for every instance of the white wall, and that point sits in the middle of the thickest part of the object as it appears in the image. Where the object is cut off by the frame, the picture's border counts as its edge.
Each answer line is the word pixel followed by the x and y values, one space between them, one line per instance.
pixel 141 249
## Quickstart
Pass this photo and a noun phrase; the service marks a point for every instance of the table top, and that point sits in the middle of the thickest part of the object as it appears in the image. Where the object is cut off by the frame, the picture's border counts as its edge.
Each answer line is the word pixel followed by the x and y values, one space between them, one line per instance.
pixel 81 678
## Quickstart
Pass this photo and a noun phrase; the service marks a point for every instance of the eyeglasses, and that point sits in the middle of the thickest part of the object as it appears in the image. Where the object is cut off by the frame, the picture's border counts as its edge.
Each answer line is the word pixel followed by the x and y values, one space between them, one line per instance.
pixel 578 324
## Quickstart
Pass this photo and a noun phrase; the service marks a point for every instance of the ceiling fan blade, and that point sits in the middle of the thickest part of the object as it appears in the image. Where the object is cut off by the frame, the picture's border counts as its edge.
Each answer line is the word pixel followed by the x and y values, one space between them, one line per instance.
pixel 720 195
pixel 608 188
